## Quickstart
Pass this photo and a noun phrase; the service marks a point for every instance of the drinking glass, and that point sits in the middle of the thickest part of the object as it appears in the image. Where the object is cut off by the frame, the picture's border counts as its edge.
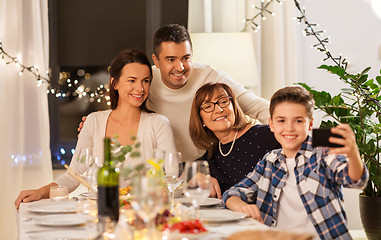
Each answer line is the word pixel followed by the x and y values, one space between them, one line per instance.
pixel 196 183
pixel 87 207
pixel 155 163
pixel 59 193
pixel 90 160
pixel 147 200
pixel 173 168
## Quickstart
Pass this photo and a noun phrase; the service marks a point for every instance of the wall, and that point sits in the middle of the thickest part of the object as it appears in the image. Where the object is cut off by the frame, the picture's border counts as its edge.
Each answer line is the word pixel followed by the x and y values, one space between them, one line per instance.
pixel 354 31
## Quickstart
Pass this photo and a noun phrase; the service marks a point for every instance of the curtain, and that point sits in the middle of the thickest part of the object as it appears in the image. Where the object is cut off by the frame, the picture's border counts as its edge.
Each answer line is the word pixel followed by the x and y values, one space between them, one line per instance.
pixel 276 43
pixel 24 120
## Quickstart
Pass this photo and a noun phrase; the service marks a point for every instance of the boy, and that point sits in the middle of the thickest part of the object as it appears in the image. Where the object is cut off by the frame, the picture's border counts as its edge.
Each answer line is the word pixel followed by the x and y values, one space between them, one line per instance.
pixel 299 187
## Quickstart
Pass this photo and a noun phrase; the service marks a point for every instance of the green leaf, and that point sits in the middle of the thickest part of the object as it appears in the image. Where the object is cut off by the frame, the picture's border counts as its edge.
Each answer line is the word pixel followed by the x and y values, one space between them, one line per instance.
pixel 334 70
pixel 371 84
pixel 361 79
pixel 337 100
pixel 135 154
pixel 128 148
pixel 365 70
pixel 322 98
pixel 121 158
pixel 347 90
pixel 378 79
pixel 323 67
pixel 139 167
pixel 119 152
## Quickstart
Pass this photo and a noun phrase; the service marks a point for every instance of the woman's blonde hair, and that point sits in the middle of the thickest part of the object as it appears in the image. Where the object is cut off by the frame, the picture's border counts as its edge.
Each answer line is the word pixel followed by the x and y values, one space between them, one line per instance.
pixel 203 137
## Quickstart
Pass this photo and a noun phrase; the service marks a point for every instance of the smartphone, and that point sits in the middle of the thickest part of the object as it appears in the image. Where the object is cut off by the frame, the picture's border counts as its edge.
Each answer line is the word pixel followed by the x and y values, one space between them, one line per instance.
pixel 320 138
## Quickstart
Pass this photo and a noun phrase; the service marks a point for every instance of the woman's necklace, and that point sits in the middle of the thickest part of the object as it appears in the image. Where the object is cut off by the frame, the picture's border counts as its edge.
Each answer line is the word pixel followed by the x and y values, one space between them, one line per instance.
pixel 231 147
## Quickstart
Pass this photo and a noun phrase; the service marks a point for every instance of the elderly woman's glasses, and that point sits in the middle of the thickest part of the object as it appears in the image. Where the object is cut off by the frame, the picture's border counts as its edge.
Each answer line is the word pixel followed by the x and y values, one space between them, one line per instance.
pixel 209 106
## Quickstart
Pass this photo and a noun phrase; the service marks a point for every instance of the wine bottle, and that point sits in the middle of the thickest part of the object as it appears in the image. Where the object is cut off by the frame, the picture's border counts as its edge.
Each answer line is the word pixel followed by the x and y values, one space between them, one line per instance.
pixel 108 186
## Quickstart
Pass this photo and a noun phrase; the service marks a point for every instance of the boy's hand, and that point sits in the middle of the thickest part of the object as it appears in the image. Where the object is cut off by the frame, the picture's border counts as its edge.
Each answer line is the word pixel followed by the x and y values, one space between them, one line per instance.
pixel 348 141
pixel 251 210
pixel 80 126
pixel 355 164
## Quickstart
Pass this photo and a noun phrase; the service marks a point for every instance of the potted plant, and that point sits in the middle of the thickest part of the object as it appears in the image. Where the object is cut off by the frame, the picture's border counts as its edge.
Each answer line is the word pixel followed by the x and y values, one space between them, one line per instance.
pixel 359 105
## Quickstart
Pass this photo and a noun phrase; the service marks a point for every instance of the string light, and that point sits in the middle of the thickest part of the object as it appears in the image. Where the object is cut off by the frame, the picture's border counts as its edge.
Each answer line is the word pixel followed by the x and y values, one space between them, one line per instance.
pixel 318 35
pixel 59 90
pixel 262 10
pixel 340 61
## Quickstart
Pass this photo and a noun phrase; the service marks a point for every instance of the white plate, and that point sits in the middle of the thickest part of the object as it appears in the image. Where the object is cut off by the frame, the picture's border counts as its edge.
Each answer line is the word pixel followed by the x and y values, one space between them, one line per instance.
pixel 189 236
pixel 204 203
pixel 61 220
pixel 49 206
pixel 220 215
pixel 86 195
pixel 62 234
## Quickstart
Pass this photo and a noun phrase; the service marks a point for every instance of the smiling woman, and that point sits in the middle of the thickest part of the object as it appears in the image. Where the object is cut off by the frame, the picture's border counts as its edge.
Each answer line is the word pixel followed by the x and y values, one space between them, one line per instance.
pixel 233 142
pixel 130 79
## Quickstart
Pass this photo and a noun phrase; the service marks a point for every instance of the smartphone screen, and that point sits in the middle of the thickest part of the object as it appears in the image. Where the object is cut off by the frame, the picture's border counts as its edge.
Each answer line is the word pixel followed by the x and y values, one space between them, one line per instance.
pixel 320 138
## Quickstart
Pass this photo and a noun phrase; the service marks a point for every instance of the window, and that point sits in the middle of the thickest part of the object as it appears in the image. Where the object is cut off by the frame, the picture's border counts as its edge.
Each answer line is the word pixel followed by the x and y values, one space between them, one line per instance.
pixel 84 36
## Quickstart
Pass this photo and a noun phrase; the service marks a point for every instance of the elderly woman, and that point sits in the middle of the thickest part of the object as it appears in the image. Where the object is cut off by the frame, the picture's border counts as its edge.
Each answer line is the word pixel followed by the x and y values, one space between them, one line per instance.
pixel 233 143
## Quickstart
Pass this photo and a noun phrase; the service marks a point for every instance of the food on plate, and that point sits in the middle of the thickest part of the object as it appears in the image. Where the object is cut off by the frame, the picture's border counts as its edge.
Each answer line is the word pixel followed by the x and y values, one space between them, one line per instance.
pixel 124 191
pixel 125 203
pixel 160 220
pixel 269 235
pixel 163 218
pixel 124 197
pixel 193 226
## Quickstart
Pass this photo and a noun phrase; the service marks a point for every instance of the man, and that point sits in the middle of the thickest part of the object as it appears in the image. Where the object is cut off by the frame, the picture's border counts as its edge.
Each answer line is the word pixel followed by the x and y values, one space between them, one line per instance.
pixel 176 80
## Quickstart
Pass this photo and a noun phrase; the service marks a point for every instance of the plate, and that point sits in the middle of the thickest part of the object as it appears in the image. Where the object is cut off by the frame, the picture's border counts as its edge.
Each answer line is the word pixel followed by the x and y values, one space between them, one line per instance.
pixel 49 206
pixel 62 220
pixel 208 202
pixel 63 234
pixel 189 236
pixel 93 196
pixel 220 215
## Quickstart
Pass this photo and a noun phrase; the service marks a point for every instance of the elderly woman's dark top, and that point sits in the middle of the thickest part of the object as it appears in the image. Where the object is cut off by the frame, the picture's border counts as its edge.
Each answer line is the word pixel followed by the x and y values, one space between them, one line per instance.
pixel 247 151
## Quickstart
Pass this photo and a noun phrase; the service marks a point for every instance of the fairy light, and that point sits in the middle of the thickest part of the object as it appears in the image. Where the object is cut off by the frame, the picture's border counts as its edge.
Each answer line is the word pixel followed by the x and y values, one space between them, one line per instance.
pixel 340 61
pixel 262 10
pixel 60 90
pixel 309 30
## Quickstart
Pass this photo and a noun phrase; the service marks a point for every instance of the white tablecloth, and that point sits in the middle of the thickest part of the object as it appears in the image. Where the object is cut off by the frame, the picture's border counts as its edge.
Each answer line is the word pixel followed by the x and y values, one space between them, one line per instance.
pixel 29 230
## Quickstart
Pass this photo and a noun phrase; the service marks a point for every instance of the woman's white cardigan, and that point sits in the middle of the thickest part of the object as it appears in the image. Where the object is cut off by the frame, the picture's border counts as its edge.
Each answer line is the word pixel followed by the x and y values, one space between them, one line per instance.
pixel 154 132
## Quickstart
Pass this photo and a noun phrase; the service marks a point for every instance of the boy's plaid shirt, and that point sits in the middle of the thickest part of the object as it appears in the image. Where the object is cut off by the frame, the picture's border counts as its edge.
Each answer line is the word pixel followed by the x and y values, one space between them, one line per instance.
pixel 319 178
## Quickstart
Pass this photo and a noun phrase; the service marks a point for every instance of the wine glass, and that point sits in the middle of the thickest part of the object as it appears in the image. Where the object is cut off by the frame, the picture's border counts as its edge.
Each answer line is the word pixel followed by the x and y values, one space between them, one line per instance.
pixel 147 200
pixel 90 160
pixel 173 168
pixel 197 183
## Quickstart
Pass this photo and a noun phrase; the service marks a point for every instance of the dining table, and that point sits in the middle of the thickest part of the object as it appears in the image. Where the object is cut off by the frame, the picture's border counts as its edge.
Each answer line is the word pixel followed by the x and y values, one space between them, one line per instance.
pixel 48 219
